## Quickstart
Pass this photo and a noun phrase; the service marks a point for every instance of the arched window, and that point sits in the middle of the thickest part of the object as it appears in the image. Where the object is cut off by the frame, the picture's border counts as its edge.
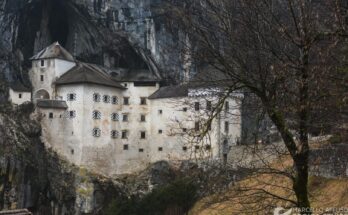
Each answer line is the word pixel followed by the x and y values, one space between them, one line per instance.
pixel 42 94
pixel 96 114
pixel 106 99
pixel 96 132
pixel 114 134
pixel 114 100
pixel 114 117
pixel 96 97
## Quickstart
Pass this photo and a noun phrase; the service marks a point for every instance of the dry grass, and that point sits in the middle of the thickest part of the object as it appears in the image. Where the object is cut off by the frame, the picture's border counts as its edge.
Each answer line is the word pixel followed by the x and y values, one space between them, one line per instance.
pixel 254 195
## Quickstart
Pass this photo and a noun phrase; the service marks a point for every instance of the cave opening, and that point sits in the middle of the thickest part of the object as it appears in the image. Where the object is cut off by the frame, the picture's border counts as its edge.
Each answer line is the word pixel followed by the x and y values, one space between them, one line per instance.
pixel 59 21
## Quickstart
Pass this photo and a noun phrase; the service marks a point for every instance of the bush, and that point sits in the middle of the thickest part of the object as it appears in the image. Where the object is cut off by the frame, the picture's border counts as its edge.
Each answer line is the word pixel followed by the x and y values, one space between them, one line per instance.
pixel 179 196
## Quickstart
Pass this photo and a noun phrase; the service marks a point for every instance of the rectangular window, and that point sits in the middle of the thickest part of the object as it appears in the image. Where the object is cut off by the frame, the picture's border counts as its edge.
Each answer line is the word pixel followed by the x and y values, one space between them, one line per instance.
pixel 126 100
pixel 20 95
pixel 42 63
pixel 50 115
pixel 160 149
pixel 124 134
pixel 196 126
pixel 125 117
pixel 184 130
pixel 227 106
pixel 41 77
pixel 142 118
pixel 184 109
pixel 184 148
pixel 196 106
pixel 160 111
pixel 142 101
pixel 125 147
pixel 141 150
pixel 142 135
pixel 160 131
pixel 208 105
pixel 227 127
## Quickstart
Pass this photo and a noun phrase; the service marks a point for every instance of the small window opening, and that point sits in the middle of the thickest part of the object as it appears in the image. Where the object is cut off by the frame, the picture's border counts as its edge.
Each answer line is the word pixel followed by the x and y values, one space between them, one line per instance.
pixel 141 150
pixel 96 97
pixel 160 131
pixel 126 100
pixel 114 134
pixel 42 63
pixel 160 149
pixel 160 111
pixel 50 115
pixel 20 95
pixel 143 135
pixel 142 118
pixel 96 132
pixel 41 77
pixel 184 109
pixel 114 100
pixel 196 126
pixel 142 101
pixel 125 147
pixel 124 134
pixel 184 148
pixel 125 117
pixel 209 106
pixel 226 127
pixel 196 106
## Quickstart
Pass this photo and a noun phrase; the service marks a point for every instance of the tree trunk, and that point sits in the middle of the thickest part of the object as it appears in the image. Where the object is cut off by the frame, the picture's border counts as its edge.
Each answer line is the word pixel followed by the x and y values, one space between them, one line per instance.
pixel 300 184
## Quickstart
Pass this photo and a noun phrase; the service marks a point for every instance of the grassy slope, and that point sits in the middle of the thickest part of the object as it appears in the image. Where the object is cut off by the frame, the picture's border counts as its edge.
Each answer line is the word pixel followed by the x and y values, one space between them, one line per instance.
pixel 324 193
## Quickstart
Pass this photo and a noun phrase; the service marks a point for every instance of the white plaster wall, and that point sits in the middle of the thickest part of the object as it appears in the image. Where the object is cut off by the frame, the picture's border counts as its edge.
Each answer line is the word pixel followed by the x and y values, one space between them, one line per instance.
pixel 14 97
pixel 52 69
pixel 106 155
pixel 57 133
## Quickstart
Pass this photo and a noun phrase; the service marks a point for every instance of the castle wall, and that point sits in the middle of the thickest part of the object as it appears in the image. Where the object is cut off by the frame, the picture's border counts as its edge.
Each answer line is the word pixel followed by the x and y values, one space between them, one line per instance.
pixel 14 97
pixel 42 77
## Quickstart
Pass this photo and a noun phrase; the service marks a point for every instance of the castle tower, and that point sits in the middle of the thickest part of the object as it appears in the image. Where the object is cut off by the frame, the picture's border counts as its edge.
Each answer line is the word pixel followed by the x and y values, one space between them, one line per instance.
pixel 48 65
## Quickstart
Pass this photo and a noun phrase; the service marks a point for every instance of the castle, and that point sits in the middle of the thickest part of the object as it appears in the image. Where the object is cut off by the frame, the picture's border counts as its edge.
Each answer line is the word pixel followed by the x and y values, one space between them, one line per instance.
pixel 119 121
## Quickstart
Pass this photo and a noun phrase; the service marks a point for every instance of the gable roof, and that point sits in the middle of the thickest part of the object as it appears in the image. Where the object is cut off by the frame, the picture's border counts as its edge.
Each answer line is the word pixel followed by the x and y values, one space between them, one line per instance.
pixel 46 103
pixel 84 73
pixel 170 92
pixel 19 87
pixel 55 50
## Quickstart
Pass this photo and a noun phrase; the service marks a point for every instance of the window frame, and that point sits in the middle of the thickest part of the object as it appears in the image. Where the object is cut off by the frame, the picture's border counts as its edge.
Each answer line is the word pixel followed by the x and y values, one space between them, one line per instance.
pixel 124 134
pixel 114 134
pixel 96 97
pixel 126 100
pixel 106 99
pixel 115 117
pixel 143 101
pixel 96 115
pixel 96 132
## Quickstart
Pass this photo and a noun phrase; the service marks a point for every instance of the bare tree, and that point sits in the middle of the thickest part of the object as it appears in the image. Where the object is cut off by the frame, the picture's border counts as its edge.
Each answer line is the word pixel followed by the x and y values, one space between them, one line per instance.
pixel 288 53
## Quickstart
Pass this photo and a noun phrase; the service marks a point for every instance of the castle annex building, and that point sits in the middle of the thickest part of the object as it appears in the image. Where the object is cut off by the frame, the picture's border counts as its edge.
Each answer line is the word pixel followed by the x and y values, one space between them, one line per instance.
pixel 116 121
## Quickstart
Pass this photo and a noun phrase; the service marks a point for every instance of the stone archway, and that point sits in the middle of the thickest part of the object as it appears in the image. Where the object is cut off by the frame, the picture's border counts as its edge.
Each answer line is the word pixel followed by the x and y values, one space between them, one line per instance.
pixel 41 94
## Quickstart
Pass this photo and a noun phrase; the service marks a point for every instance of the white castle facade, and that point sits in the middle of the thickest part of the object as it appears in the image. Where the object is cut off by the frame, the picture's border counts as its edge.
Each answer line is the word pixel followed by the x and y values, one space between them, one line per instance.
pixel 119 121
